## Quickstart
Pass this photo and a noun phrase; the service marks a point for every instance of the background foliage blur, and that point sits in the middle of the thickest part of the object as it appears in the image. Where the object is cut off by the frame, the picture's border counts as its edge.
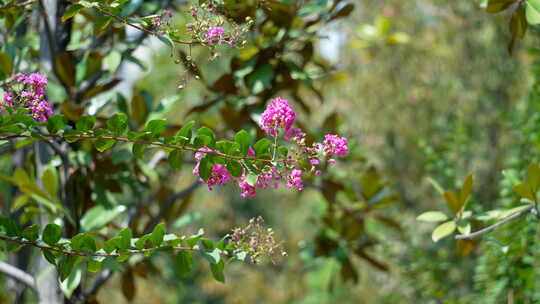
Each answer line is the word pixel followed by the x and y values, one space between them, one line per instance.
pixel 427 91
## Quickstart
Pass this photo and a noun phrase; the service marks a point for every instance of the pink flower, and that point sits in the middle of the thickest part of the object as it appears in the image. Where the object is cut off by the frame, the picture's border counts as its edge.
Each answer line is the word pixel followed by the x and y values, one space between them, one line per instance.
pixel 247 189
pixel 215 33
pixel 7 100
pixel 314 162
pixel 31 95
pixel 251 152
pixel 295 133
pixel 219 176
pixel 335 145
pixel 295 180
pixel 36 79
pixel 41 111
pixel 278 114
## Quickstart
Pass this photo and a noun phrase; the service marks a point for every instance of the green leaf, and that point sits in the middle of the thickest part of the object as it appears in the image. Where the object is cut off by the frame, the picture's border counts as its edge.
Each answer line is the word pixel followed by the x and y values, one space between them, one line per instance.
pixel 93 265
pixel 533 177
pixel 176 158
pixel 464 227
pixel 98 216
pixel 71 11
pixel 535 4
pixel 52 234
pixel 84 242
pixel 49 256
pixel 183 262
pixel 104 144
pixel 65 266
pixel 244 139
pixel 217 271
pixel 260 79
pixel 443 230
pixel 235 168
pixel 205 168
pixel 139 149
pixel 252 178
pixel 156 237
pixel 432 216
pixel 452 201
pixel 125 238
pixel 85 123
pixel 261 147
pixel 156 126
pixel 141 242
pixel 11 227
pixel 50 182
pixel 184 135
pixel 5 64
pixel 533 16
pixel 524 190
pixel 56 123
pixel 118 124
pixel 31 233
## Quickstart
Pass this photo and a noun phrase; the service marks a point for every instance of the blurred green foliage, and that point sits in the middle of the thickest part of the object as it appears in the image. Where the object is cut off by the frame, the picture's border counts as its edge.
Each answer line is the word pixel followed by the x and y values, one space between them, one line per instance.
pixel 427 92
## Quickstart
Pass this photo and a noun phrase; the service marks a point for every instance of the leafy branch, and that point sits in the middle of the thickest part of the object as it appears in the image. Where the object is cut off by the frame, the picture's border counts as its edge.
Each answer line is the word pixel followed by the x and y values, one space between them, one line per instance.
pixel 494 226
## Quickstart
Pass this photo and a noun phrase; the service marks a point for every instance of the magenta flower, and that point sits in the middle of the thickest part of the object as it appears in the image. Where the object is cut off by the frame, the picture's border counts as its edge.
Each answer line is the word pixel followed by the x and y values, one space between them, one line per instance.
pixel 219 176
pixel 295 180
pixel 41 111
pixel 335 145
pixel 29 92
pixel 215 33
pixel 278 114
pixel 7 100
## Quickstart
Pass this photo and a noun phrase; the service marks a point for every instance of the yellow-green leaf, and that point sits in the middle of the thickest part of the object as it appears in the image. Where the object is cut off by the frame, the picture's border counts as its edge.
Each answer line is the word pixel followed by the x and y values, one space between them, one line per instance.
pixel 533 16
pixel 50 182
pixel 533 177
pixel 524 190
pixel 432 216
pixel 443 230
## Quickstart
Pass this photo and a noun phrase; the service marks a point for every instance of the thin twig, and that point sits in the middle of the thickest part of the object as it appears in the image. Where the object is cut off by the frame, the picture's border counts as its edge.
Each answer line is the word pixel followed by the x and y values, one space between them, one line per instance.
pixel 84 253
pixel 494 226
pixel 140 28
pixel 140 141
pixel 18 275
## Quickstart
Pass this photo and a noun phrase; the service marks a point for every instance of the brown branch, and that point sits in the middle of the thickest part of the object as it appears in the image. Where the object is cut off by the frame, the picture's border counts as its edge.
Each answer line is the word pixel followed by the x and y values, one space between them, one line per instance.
pixel 140 28
pixel 140 141
pixel 84 253
pixel 494 226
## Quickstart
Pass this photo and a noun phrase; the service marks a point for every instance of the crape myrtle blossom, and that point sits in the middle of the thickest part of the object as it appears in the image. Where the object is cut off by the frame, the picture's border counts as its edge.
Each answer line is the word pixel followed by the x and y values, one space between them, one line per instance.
pixel 28 91
pixel 278 114
pixel 215 34
pixel 301 159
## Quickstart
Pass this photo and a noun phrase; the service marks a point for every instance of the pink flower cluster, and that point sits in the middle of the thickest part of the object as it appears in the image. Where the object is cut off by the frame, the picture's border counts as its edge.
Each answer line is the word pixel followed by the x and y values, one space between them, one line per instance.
pixel 28 91
pixel 278 114
pixel 215 35
pixel 278 118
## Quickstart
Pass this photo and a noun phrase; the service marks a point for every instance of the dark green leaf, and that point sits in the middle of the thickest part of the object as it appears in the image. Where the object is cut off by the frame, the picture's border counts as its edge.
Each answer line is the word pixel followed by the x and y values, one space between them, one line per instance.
pixel 183 262
pixel 244 139
pixel 217 271
pixel 156 237
pixel 31 233
pixel 117 124
pixel 52 234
